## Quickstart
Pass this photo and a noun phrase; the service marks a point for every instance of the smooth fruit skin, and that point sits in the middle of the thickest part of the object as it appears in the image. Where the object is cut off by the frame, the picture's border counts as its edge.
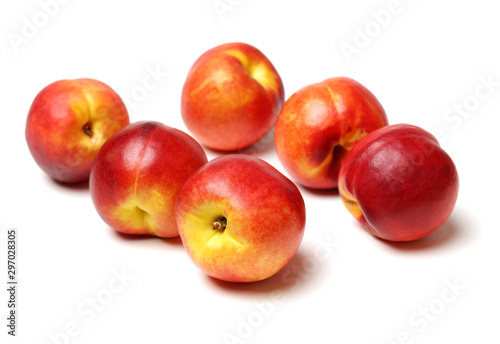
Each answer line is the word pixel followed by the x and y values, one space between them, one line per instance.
pixel 138 174
pixel 265 216
pixel 319 124
pixel 68 122
pixel 231 97
pixel 399 183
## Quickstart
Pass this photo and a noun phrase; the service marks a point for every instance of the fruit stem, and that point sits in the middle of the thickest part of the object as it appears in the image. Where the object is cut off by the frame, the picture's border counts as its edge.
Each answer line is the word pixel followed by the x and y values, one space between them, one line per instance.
pixel 220 223
pixel 87 129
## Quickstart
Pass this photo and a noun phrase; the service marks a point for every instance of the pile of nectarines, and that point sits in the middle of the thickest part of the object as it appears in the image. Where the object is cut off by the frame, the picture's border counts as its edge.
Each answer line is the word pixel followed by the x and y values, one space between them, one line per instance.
pixel 238 217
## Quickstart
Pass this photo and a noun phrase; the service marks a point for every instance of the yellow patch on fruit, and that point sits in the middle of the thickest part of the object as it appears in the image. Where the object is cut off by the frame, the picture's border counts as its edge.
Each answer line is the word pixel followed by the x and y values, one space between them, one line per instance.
pixel 134 219
pixel 81 110
pixel 200 234
pixel 154 201
pixel 290 117
pixel 350 202
pixel 319 170
pixel 349 140
pixel 260 71
pixel 93 120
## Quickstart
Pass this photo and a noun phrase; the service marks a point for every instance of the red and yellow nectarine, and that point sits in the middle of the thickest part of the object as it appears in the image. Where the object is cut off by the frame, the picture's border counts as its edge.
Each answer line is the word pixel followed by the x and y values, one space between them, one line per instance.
pixel 138 174
pixel 231 97
pixel 240 219
pixel 319 124
pixel 399 183
pixel 68 123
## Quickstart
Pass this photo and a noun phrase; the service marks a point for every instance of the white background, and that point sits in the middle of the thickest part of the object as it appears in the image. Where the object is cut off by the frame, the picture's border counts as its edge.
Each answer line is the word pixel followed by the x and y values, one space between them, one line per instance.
pixel 427 59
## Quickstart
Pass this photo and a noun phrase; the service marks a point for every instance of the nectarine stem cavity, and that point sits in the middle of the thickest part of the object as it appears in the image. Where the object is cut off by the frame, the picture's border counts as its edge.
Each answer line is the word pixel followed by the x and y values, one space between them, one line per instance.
pixel 220 224
pixel 87 129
